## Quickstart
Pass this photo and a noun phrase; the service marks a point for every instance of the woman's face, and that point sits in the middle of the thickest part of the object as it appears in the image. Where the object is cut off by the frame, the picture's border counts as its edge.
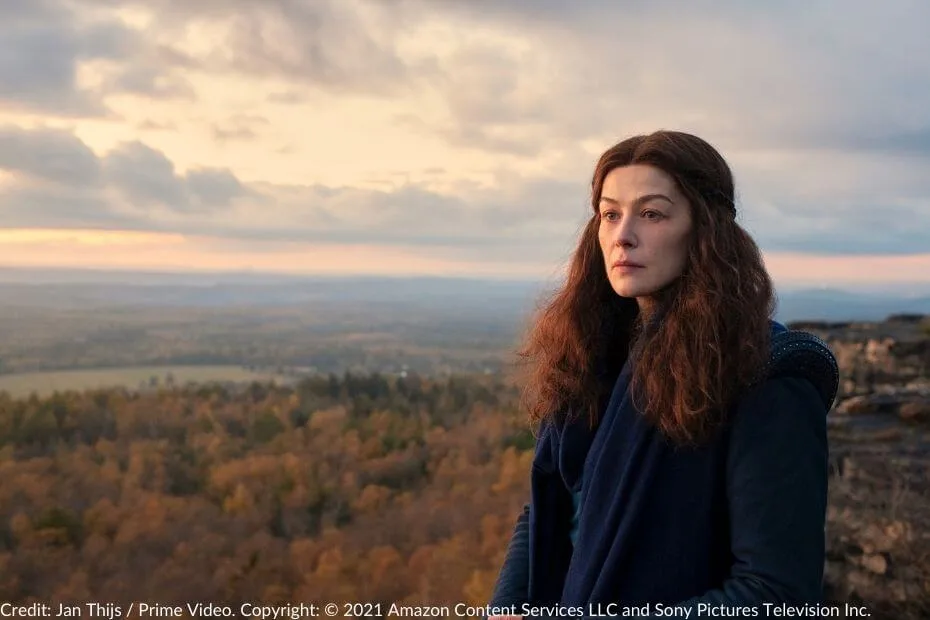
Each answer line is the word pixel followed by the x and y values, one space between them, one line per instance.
pixel 645 220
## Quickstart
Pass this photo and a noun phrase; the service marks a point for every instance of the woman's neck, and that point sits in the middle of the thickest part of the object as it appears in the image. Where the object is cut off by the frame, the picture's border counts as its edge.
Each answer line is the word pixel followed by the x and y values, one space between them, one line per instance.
pixel 647 307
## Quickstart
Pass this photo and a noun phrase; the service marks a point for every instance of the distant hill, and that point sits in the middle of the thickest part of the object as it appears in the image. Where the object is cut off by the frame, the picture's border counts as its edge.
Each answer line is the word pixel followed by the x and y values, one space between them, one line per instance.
pixel 506 300
pixel 838 305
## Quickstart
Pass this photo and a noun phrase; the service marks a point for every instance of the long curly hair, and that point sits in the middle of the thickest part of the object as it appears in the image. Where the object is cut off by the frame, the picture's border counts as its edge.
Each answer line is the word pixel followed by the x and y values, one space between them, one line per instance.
pixel 709 336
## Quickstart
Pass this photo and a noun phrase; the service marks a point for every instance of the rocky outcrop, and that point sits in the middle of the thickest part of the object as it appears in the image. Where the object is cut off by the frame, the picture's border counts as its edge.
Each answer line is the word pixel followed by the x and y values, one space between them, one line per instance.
pixel 878 530
pixel 878 520
pixel 895 352
pixel 908 405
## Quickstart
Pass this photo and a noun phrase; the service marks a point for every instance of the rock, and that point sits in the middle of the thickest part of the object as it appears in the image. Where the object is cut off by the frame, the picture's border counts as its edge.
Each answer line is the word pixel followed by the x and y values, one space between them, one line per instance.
pixel 898 591
pixel 869 403
pixel 873 539
pixel 854 405
pixel 877 353
pixel 847 387
pixel 915 411
pixel 863 583
pixel 875 562
pixel 899 530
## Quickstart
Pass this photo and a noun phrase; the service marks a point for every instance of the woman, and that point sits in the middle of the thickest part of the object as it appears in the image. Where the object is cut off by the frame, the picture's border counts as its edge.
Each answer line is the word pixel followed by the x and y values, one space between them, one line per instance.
pixel 682 451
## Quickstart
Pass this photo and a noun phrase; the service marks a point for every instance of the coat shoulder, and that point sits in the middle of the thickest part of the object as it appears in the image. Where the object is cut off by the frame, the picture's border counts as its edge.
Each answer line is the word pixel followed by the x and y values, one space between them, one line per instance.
pixel 801 354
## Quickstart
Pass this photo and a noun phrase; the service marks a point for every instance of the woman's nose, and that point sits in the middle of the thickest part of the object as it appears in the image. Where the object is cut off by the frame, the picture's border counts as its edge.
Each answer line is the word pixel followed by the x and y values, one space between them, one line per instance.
pixel 625 233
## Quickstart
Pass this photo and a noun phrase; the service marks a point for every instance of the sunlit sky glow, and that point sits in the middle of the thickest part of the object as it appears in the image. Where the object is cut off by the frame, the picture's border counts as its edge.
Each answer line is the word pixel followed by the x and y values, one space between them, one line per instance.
pixel 450 136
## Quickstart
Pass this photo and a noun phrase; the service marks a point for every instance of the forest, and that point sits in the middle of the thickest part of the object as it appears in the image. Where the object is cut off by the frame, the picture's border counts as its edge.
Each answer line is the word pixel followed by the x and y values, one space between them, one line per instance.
pixel 365 488
pixel 384 487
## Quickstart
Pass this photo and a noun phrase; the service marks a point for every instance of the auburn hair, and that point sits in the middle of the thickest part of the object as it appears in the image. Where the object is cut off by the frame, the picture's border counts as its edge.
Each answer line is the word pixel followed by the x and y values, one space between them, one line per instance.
pixel 709 336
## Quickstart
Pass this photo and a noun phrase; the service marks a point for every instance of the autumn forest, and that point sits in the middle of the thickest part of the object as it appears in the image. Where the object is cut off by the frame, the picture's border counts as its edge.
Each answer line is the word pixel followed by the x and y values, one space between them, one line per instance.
pixel 336 488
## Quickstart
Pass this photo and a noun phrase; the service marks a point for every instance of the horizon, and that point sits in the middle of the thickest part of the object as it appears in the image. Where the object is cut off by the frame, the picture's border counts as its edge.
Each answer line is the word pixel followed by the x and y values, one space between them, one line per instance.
pixel 181 278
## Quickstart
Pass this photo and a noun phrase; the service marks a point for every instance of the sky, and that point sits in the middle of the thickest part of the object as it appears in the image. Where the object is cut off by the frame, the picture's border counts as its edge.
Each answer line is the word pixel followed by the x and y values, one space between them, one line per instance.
pixel 451 137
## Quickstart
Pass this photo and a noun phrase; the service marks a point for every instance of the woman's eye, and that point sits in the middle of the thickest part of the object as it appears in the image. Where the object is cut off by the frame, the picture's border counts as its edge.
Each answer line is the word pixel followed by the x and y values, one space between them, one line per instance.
pixel 608 215
pixel 652 215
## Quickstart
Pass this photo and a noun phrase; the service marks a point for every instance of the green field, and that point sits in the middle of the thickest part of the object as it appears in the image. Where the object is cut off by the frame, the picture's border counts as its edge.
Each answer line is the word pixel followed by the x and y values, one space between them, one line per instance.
pixel 45 383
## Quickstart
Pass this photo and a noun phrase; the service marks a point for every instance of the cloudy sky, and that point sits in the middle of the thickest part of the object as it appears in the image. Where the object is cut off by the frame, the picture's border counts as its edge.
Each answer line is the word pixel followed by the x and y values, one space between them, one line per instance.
pixel 450 136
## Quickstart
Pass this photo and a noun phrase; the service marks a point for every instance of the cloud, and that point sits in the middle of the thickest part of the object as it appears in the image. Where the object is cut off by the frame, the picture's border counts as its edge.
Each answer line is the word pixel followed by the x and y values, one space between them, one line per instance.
pixel 50 154
pixel 476 225
pixel 213 187
pixel 141 188
pixel 346 47
pixel 239 127
pixel 149 182
pixel 521 77
pixel 745 75
pixel 287 97
pixel 145 176
pixel 914 141
pixel 38 70
pixel 46 43
pixel 150 81
pixel 880 227
pixel 150 125
pixel 29 204
pixel 833 207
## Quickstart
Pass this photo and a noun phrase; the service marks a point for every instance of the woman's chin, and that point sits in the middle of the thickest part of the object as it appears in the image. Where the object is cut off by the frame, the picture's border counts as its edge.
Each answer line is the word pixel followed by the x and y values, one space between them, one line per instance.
pixel 628 291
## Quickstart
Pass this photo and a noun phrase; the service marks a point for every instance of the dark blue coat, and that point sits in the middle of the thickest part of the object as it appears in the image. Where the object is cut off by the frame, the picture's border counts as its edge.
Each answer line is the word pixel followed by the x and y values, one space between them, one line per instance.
pixel 738 520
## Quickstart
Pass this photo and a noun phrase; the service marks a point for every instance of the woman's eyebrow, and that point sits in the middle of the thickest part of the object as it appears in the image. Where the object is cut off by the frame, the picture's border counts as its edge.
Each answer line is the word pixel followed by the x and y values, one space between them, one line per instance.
pixel 639 201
